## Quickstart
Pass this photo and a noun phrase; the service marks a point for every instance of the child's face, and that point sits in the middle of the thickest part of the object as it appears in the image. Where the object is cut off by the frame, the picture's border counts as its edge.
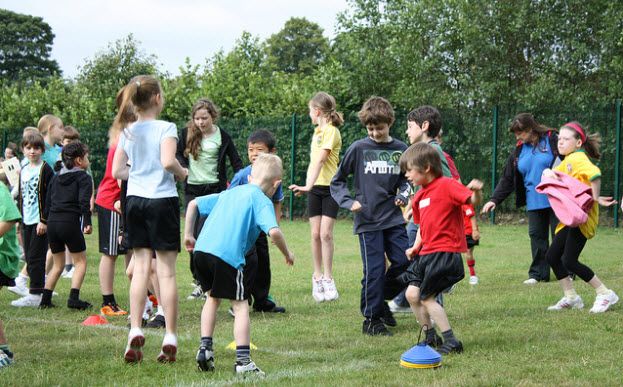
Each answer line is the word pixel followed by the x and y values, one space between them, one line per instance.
pixel 416 176
pixel 378 132
pixel 414 132
pixel 33 153
pixel 84 162
pixel 65 141
pixel 56 132
pixel 203 120
pixel 256 148
pixel 314 114
pixel 522 136
pixel 8 153
pixel 567 142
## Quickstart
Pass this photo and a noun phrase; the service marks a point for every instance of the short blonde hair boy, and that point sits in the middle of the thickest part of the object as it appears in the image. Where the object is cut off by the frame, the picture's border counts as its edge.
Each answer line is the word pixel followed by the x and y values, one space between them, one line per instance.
pixel 267 168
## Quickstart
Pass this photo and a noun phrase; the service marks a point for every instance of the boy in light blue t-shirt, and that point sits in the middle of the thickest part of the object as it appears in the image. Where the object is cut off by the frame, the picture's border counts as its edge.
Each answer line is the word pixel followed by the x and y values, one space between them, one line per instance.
pixel 235 219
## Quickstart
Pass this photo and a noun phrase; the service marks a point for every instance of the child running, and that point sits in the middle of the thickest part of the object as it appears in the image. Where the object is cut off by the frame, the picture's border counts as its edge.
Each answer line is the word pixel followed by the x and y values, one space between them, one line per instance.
pixel 440 240
pixel 321 207
pixel 68 215
pixel 33 188
pixel 235 220
pixel 380 190
pixel 9 257
pixel 564 252
pixel 472 237
pixel 153 210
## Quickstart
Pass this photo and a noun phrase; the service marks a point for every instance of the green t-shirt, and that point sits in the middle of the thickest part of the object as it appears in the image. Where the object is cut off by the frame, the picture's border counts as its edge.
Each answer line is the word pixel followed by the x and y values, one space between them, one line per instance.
pixel 9 250
pixel 204 170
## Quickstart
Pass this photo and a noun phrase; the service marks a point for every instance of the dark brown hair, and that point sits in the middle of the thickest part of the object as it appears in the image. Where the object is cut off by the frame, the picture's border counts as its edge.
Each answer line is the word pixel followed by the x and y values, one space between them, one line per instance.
pixel 70 133
pixel 376 110
pixel 421 156
pixel 326 104
pixel 592 143
pixel 426 113
pixel 525 122
pixel 34 139
pixel 194 135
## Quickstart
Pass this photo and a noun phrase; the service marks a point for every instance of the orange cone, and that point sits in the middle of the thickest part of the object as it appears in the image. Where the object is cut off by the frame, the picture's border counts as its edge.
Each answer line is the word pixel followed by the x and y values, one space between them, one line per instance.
pixel 96 319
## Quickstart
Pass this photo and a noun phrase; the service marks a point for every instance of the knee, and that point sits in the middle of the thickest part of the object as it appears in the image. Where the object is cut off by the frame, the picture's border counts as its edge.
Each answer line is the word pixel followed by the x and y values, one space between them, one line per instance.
pixel 315 236
pixel 326 237
pixel 412 295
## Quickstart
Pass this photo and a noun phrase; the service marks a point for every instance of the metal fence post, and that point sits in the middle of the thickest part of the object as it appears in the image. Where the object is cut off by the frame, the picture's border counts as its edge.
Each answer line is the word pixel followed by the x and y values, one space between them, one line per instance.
pixel 494 156
pixel 292 163
pixel 617 161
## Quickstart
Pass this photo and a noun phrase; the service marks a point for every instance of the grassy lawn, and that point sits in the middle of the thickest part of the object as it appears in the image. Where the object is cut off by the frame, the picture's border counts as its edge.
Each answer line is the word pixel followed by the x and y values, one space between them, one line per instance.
pixel 509 336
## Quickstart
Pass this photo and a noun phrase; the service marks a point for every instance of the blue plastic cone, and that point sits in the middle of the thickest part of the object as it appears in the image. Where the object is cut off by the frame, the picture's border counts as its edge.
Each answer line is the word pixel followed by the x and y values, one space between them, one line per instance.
pixel 420 356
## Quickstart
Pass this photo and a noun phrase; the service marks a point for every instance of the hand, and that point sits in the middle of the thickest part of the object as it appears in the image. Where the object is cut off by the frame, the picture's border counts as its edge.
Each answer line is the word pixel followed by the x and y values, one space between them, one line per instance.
pixel 356 207
pixel 299 190
pixel 117 206
pixel 400 202
pixel 182 176
pixel 289 258
pixel 487 207
pixel 606 201
pixel 475 185
pixel 549 174
pixel 41 228
pixel 189 243
pixel 476 234
pixel 410 253
pixel 87 229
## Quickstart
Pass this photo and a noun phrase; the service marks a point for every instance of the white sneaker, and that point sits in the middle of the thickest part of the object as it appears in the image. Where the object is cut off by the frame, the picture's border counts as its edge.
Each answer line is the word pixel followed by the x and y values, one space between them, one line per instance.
pixel 20 288
pixel 530 281
pixel 149 309
pixel 29 300
pixel 604 301
pixel 567 303
pixel 250 369
pixel 68 273
pixel 317 289
pixel 473 280
pixel 395 308
pixel 330 291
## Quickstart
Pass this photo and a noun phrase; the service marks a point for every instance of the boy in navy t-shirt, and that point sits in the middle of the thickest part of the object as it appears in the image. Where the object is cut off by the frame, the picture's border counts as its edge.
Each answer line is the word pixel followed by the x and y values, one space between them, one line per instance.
pixel 438 264
pixel 235 220
pixel 260 141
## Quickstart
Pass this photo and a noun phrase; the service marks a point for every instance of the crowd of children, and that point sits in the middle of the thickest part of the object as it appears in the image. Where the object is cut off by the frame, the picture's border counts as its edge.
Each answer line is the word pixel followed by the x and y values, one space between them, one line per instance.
pixel 227 225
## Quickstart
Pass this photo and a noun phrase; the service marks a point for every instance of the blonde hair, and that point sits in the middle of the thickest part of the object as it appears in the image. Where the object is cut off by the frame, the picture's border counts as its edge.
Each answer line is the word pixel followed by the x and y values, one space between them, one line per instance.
pixel 126 115
pixel 138 95
pixel 326 104
pixel 29 129
pixel 267 168
pixel 46 122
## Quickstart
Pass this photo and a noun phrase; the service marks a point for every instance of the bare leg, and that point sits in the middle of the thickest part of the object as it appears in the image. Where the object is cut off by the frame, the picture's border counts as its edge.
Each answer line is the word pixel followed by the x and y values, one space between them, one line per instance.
pixel 168 287
pixel 138 287
pixel 208 316
pixel 58 264
pixel 316 245
pixel 80 264
pixel 326 240
pixel 107 273
pixel 421 314
pixel 242 323
pixel 437 312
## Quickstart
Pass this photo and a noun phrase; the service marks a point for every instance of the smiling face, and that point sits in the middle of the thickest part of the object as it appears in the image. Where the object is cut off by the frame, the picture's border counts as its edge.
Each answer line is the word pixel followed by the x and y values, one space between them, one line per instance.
pixel 568 141
pixel 33 153
pixel 203 120
pixel 255 149
pixel 378 132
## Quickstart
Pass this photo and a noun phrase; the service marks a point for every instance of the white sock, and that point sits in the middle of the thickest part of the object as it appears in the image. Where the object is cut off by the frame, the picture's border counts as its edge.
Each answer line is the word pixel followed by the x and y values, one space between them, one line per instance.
pixel 169 339
pixel 135 332
pixel 160 311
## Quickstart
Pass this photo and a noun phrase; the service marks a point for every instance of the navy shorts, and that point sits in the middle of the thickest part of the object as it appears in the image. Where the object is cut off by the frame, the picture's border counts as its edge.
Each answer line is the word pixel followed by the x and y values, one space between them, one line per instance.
pixel 321 203
pixel 153 223
pixel 434 273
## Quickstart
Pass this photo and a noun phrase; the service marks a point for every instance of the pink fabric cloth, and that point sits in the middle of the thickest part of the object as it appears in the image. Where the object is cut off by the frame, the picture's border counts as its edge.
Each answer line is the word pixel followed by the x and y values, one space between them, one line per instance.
pixel 570 199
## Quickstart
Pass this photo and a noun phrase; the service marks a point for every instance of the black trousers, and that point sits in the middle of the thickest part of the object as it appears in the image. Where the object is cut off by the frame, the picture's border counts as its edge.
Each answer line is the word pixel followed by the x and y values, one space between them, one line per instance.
pixel 540 224
pixel 259 258
pixel 35 250
pixel 564 254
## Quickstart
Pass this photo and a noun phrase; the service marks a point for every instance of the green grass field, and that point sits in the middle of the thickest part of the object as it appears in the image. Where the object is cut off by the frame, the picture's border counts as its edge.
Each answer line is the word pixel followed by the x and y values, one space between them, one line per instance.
pixel 509 336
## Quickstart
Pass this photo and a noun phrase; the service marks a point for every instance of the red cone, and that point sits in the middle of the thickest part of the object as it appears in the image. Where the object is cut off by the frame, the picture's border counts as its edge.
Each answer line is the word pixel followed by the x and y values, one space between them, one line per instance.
pixel 96 319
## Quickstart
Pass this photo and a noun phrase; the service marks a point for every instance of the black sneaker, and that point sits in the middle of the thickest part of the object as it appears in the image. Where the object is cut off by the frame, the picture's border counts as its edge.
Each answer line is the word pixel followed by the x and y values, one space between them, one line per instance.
pixel 375 327
pixel 205 359
pixel 47 306
pixel 78 304
pixel 450 347
pixel 388 317
pixel 437 342
pixel 270 307
pixel 156 322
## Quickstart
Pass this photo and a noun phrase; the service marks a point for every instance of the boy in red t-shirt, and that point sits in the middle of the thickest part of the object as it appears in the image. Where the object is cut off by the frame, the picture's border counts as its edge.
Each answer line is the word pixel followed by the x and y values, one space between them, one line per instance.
pixel 439 242
pixel 472 236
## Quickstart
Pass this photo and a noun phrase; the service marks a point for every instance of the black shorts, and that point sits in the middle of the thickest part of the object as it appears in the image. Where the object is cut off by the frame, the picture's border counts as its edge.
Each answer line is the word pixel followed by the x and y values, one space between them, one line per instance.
pixel 220 278
pixel 471 242
pixel 153 223
pixel 433 273
pixel 61 234
pixel 320 202
pixel 108 231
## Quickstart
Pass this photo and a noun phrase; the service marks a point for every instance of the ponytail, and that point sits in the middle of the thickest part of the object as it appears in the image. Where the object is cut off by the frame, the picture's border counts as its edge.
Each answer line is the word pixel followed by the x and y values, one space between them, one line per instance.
pixel 122 119
pixel 327 106
pixel 138 95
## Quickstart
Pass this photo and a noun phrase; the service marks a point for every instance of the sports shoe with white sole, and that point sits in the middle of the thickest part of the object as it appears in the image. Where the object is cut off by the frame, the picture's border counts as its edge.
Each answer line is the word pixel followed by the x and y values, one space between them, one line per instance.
pixel 21 286
pixel 317 289
pixel 205 359
pixel 473 280
pixel 330 291
pixel 567 303
pixel 68 273
pixel 248 370
pixel 134 349
pixel 196 294
pixel 604 301
pixel 530 281
pixel 28 301
pixel 395 308
pixel 169 349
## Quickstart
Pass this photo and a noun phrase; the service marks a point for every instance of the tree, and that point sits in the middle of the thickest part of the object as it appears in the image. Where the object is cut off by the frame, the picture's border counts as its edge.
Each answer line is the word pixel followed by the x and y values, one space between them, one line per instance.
pixel 298 48
pixel 25 45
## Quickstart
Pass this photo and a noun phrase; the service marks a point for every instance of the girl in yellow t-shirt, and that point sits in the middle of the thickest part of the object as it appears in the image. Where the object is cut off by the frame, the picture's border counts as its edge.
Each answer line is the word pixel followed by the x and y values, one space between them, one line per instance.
pixel 564 252
pixel 321 207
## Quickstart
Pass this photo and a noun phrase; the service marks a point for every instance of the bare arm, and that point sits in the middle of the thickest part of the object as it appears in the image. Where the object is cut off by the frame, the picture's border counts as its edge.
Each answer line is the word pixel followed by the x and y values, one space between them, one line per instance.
pixel 120 169
pixel 5 227
pixel 417 246
pixel 278 213
pixel 313 174
pixel 476 187
pixel 605 201
pixel 189 226
pixel 168 147
pixel 280 241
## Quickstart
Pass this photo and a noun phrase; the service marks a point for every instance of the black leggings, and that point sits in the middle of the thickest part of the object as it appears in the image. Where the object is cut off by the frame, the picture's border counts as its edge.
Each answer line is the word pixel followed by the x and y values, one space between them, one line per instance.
pixel 564 253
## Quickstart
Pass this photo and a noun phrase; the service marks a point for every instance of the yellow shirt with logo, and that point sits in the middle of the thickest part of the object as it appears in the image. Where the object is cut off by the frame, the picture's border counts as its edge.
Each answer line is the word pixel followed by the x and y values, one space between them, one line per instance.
pixel 578 166
pixel 326 137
